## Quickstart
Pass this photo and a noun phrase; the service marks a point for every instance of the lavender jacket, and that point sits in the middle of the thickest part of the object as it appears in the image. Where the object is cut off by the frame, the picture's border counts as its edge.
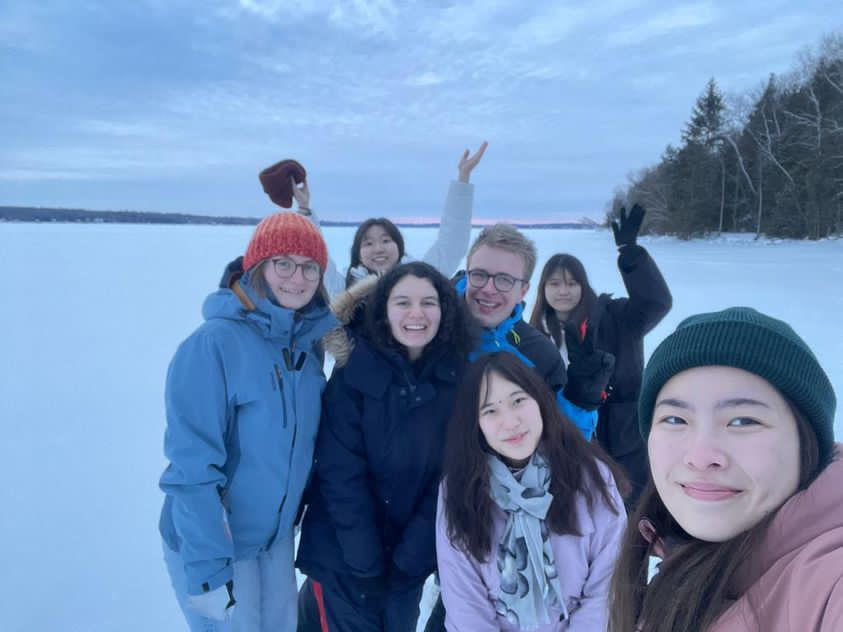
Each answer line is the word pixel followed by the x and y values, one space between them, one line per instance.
pixel 585 564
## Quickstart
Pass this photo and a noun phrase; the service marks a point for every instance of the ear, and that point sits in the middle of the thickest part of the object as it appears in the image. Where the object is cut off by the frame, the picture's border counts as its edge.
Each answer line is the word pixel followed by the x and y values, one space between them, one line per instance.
pixel 524 289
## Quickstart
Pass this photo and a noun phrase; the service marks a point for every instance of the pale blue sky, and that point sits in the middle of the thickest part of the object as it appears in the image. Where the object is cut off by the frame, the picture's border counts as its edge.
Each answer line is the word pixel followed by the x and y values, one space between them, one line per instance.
pixel 169 105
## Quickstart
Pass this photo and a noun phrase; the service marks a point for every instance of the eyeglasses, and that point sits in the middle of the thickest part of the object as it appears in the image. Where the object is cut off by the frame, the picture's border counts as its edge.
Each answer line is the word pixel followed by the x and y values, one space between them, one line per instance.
pixel 286 267
pixel 503 282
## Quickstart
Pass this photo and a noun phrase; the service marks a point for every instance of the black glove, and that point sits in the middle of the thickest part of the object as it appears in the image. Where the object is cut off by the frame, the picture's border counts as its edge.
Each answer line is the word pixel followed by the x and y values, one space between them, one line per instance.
pixel 589 370
pixel 626 231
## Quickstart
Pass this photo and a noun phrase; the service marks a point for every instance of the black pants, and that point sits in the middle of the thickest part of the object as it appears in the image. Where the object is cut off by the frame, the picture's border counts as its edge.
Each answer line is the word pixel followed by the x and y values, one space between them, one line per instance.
pixel 334 605
pixel 436 622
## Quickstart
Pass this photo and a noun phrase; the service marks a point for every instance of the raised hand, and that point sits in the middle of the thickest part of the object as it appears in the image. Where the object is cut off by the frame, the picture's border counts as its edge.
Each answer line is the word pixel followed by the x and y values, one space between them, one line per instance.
pixel 302 195
pixel 626 231
pixel 589 369
pixel 468 162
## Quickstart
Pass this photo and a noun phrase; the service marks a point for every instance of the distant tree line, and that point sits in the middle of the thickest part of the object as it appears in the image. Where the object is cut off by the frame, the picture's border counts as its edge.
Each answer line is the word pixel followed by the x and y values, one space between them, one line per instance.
pixel 39 214
pixel 769 163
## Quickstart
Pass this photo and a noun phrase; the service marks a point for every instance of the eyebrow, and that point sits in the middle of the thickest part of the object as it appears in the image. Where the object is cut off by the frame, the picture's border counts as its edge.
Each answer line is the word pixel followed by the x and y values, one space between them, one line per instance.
pixel 739 401
pixel 732 402
pixel 515 392
pixel 423 298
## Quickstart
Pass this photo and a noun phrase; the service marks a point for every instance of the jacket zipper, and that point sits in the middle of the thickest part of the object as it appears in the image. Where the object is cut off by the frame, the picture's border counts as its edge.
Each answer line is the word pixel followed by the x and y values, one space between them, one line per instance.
pixel 283 396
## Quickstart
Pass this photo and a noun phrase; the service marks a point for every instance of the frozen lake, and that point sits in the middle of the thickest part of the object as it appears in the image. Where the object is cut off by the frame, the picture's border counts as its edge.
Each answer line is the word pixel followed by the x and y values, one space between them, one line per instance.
pixel 91 317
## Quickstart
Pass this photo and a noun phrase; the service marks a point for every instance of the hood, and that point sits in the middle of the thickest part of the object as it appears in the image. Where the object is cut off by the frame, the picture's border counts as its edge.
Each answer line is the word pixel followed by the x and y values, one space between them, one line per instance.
pixel 307 325
pixel 345 304
pixel 807 515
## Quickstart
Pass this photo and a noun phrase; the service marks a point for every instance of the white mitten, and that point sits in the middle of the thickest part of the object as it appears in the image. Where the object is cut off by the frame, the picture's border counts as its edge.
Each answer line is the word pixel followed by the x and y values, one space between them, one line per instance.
pixel 217 604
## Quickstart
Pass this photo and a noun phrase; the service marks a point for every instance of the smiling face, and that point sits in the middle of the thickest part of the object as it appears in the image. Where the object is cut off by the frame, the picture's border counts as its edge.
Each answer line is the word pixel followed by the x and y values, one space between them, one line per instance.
pixel 487 304
pixel 562 293
pixel 509 419
pixel 378 251
pixel 293 292
pixel 724 450
pixel 413 312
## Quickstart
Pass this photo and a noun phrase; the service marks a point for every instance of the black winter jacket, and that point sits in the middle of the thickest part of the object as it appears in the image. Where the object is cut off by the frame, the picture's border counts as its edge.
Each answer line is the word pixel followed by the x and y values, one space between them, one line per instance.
pixel 620 325
pixel 377 464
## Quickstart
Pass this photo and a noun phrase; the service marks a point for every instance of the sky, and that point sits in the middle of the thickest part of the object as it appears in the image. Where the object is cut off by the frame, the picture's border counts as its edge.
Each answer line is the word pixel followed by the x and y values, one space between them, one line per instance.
pixel 176 105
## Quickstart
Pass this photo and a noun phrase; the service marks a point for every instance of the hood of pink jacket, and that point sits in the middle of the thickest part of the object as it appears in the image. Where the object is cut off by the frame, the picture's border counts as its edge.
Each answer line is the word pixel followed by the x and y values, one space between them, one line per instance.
pixel 794 579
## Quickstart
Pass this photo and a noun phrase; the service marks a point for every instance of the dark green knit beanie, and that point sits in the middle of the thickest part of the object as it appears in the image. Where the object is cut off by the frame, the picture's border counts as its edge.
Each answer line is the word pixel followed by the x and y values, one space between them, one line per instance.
pixel 743 338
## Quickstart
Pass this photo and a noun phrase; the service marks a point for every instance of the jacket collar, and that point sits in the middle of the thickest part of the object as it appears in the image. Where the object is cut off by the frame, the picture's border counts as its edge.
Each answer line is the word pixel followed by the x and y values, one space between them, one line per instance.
pixel 306 326
pixel 805 516
pixel 496 333
pixel 371 370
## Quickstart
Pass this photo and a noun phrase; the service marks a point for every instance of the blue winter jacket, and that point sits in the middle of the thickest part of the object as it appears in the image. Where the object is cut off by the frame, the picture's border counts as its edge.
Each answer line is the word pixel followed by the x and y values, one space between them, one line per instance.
pixel 536 350
pixel 243 401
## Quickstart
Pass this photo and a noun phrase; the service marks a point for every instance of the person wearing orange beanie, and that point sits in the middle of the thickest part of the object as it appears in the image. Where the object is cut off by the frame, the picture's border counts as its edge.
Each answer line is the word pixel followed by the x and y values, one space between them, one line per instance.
pixel 243 402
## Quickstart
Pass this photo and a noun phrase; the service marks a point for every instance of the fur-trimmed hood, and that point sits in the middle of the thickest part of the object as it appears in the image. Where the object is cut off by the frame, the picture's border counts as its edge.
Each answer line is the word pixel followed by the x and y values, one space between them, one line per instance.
pixel 347 309
pixel 345 304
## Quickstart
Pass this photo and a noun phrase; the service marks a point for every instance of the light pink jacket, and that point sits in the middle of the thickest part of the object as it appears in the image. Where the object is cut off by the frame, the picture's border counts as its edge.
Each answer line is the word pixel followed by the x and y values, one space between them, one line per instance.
pixel 795 580
pixel 584 564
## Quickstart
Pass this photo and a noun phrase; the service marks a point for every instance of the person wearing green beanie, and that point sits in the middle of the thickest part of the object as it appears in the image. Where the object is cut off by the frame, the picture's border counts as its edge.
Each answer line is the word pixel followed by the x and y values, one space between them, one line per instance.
pixel 744 508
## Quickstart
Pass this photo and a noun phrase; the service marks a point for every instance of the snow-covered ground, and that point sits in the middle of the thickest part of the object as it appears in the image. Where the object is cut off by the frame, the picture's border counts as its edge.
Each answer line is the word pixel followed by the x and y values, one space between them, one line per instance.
pixel 90 317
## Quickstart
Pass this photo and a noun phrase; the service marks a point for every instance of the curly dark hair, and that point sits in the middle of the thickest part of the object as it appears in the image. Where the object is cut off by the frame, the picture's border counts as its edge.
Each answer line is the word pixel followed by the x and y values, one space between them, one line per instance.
pixel 456 332
pixel 390 229
pixel 573 461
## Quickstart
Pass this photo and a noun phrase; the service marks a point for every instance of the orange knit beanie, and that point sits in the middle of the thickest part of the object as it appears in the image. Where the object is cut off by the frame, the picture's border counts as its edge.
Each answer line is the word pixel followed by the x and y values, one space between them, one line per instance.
pixel 285 233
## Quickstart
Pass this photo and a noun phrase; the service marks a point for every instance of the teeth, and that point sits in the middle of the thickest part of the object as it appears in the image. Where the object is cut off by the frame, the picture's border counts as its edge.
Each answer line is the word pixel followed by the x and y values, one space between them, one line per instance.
pixel 415 327
pixel 486 303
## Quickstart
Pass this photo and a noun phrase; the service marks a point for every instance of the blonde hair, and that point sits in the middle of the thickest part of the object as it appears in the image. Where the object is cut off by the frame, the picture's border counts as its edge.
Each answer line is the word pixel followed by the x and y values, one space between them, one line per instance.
pixel 507 237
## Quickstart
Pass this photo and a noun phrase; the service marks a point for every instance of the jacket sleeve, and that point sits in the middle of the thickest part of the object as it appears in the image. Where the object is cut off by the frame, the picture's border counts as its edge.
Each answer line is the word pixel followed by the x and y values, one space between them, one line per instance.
pixel 593 613
pixel 464 594
pixel 194 443
pixel 649 297
pixel 584 420
pixel 832 620
pixel 342 471
pixel 454 229
pixel 548 362
pixel 333 279
pixel 416 548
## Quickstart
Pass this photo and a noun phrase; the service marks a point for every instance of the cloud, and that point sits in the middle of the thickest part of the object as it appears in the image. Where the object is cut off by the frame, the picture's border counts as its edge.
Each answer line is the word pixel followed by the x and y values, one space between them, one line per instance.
pixel 425 79
pixel 689 16
pixel 368 17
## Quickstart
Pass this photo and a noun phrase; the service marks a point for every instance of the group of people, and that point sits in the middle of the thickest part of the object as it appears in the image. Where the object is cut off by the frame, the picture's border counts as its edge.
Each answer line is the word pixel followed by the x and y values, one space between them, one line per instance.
pixel 546 478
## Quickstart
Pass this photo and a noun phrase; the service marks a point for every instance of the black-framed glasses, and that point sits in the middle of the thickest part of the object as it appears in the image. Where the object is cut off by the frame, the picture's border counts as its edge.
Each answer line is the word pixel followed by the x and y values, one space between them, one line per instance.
pixel 286 267
pixel 503 282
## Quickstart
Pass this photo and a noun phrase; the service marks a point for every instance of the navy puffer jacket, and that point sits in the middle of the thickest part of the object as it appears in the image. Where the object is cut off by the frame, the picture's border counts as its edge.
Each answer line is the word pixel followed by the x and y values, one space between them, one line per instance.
pixel 372 503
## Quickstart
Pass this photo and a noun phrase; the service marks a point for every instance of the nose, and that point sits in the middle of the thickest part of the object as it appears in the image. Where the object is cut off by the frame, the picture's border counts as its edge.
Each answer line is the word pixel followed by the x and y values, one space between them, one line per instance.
pixel 488 286
pixel 510 420
pixel 704 453
pixel 298 275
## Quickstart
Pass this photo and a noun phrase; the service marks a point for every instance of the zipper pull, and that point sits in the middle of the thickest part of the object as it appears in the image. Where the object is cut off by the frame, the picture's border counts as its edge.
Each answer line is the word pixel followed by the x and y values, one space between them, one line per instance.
pixel 280 380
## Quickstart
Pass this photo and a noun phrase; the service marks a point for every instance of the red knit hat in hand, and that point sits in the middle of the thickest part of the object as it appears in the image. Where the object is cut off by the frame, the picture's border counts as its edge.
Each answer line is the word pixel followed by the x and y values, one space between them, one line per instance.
pixel 285 233
pixel 276 181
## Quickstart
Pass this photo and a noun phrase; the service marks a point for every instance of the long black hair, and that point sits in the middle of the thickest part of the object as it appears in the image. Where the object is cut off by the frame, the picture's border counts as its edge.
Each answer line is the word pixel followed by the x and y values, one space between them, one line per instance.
pixel 573 266
pixel 390 229
pixel 456 331
pixel 573 461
